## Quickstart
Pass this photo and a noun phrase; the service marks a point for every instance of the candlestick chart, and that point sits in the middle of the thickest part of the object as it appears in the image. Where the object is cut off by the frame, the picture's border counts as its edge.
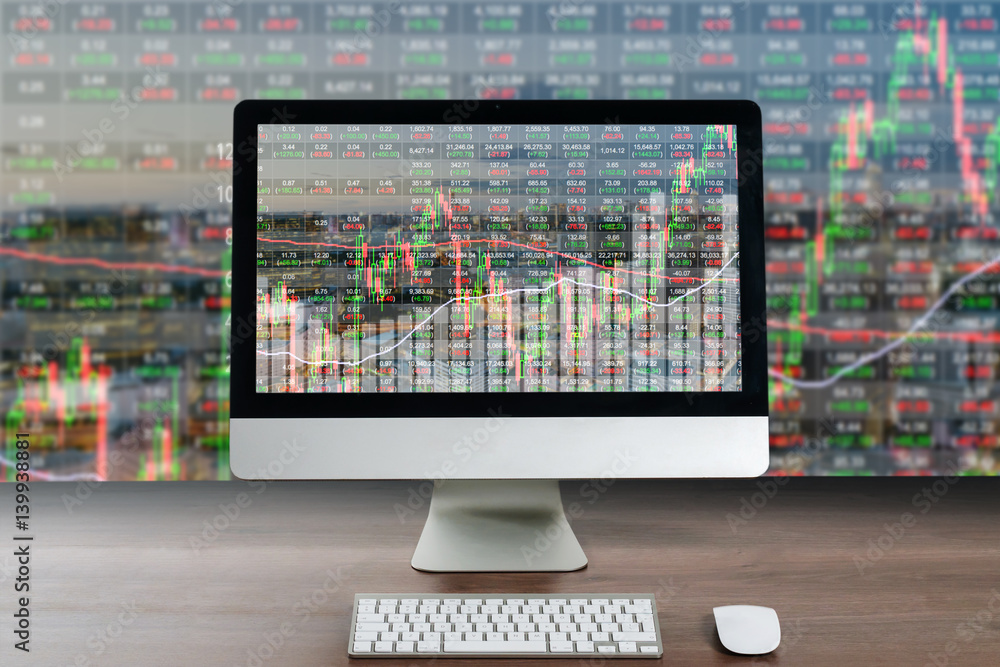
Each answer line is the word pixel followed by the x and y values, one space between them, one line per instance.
pixel 505 259
pixel 881 145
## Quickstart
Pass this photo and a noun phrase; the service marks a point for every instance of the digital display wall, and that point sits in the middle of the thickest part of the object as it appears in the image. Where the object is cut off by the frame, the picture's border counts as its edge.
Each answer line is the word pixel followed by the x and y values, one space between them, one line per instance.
pixel 882 242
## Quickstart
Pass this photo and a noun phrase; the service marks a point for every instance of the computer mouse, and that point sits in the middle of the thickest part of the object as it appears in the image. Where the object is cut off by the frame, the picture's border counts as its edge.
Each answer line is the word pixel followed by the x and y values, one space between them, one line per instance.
pixel 748 629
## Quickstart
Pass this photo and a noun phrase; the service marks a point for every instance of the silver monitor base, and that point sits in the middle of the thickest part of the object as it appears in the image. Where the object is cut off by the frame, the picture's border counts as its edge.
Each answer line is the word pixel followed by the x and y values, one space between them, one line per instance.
pixel 497 526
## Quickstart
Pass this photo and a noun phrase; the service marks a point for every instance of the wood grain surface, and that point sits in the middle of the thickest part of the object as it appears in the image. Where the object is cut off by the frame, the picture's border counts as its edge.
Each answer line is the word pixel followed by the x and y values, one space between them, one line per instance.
pixel 860 571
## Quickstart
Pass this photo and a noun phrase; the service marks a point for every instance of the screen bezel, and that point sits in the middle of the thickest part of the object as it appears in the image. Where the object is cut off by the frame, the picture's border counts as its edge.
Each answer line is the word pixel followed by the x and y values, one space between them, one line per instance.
pixel 745 114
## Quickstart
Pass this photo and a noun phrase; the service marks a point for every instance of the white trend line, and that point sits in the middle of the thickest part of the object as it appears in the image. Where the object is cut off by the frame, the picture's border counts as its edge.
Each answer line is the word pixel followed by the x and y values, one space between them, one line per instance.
pixel 871 356
pixel 494 296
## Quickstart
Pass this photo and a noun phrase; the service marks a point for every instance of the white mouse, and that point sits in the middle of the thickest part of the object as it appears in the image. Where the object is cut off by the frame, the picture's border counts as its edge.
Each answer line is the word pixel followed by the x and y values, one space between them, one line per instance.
pixel 748 629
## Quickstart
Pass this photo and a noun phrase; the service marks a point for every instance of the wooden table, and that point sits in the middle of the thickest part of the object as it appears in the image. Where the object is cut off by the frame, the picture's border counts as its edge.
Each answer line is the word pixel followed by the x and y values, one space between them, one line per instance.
pixel 860 571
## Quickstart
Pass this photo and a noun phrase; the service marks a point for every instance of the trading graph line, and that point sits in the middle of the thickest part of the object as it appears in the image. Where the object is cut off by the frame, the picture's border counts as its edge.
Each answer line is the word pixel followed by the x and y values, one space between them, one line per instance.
pixel 886 349
pixel 522 290
pixel 121 266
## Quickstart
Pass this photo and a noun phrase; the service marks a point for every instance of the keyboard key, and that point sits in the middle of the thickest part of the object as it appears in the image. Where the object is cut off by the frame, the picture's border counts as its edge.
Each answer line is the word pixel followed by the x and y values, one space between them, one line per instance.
pixel 607 648
pixel 383 647
pixel 372 627
pixel 428 647
pixel 648 649
pixel 404 647
pixel 560 647
pixel 585 647
pixel 495 647
pixel 410 636
pixel 366 636
pixel 634 636
pixel 371 618
pixel 627 647
pixel 362 647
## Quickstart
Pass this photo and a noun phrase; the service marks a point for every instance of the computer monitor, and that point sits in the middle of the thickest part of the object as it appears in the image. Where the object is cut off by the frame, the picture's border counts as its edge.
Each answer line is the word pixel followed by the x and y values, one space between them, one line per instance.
pixel 496 295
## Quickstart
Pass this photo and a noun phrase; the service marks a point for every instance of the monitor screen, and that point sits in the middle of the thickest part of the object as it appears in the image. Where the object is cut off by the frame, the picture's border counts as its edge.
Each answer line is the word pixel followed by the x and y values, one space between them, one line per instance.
pixel 454 258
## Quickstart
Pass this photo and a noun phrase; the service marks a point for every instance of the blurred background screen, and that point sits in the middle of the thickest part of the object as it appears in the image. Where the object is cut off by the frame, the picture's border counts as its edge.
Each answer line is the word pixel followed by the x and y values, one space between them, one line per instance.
pixel 881 144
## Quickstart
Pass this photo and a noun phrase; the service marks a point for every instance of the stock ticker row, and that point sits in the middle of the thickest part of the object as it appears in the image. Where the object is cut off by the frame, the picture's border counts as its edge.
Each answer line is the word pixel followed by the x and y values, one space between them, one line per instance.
pixel 882 240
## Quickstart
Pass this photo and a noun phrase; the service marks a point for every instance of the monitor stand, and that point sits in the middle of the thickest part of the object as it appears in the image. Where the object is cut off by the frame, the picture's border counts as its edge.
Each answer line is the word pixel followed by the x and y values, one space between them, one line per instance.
pixel 497 526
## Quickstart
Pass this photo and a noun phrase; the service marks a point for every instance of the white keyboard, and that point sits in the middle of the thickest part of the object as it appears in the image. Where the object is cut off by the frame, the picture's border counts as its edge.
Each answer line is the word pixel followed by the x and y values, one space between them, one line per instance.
pixel 515 626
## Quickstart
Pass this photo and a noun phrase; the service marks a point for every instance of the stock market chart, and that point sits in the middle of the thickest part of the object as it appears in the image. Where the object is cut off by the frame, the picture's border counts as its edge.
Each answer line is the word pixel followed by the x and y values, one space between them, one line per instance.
pixel 882 245
pixel 497 258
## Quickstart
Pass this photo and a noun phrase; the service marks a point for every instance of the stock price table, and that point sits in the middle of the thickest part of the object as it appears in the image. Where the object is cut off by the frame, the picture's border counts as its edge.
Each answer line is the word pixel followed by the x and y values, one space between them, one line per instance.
pixel 880 137
pixel 497 258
